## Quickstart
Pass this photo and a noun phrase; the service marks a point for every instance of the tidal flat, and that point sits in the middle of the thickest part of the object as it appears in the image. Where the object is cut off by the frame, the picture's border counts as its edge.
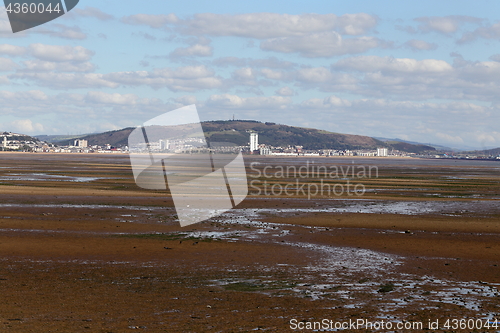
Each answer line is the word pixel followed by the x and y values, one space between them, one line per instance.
pixel 83 249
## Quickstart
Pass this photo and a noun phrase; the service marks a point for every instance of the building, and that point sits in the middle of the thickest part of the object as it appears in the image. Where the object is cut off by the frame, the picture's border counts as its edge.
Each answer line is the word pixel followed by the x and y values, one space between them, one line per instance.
pixel 382 152
pixel 164 144
pixel 81 143
pixel 4 141
pixel 264 150
pixel 254 141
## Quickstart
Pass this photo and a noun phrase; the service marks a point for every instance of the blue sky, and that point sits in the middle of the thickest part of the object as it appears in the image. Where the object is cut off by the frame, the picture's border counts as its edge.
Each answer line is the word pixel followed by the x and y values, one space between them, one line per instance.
pixel 422 71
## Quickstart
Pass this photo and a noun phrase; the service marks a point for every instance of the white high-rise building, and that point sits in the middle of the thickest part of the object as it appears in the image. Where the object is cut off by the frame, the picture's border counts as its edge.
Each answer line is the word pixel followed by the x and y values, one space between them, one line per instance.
pixel 81 143
pixel 382 152
pixel 254 141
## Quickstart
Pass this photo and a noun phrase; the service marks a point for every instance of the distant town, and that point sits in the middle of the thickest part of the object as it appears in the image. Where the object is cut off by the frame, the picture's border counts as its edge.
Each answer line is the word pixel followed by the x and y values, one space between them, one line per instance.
pixel 10 141
pixel 22 143
pixel 263 149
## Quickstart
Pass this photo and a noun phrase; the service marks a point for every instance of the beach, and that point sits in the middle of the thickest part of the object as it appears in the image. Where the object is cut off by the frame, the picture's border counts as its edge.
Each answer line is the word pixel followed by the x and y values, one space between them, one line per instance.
pixel 86 250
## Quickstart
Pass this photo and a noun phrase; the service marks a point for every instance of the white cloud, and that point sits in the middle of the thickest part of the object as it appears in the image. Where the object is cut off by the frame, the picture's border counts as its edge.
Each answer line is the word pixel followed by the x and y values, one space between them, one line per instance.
pixel 336 101
pixel 315 74
pixel 63 113
pixel 188 78
pixel 271 62
pixel 71 33
pixel 390 64
pixel 145 35
pixel 491 138
pixel 25 126
pixel 154 21
pixel 325 44
pixel 273 25
pixel 105 98
pixel 198 50
pixel 273 74
pixel 186 100
pixel 60 53
pixel 481 72
pixel 399 78
pixel 489 32
pixel 52 57
pixel 286 91
pixel 7 65
pixel 12 50
pixel 420 45
pixel 35 95
pixel 495 57
pixel 187 72
pixel 50 66
pixel 38 102
pixel 230 61
pixel 445 24
pixel 417 79
pixel 244 74
pixel 326 103
pixel 92 12
pixel 228 101
pixel 66 80
pixel 61 31
pixel 452 139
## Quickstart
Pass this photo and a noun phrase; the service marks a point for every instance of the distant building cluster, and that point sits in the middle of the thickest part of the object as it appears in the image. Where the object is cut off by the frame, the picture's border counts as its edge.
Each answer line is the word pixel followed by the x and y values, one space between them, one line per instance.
pixel 49 148
pixel 166 145
pixel 82 146
pixel 262 149
pixel 10 141
pixel 17 142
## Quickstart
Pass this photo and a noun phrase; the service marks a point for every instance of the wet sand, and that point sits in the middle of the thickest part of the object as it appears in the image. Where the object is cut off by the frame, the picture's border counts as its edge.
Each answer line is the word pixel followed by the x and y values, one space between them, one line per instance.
pixel 102 255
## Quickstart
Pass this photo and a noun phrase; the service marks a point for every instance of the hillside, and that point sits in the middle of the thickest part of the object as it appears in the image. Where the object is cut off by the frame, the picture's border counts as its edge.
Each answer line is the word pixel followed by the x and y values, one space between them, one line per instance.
pixel 59 138
pixel 116 138
pixel 486 152
pixel 17 137
pixel 409 147
pixel 283 135
pixel 437 147
pixel 237 132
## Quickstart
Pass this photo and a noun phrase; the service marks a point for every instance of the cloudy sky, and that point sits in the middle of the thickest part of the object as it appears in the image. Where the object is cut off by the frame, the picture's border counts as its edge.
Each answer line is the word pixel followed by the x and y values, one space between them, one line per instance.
pixel 426 71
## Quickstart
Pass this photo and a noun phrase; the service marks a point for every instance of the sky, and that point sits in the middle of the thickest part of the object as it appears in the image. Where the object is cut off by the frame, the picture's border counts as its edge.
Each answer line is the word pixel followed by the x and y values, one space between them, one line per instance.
pixel 426 71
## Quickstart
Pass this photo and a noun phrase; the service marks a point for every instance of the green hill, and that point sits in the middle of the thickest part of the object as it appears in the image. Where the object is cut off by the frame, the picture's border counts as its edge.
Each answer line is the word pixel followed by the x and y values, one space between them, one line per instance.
pixel 116 138
pixel 282 135
pixel 277 135
pixel 59 138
